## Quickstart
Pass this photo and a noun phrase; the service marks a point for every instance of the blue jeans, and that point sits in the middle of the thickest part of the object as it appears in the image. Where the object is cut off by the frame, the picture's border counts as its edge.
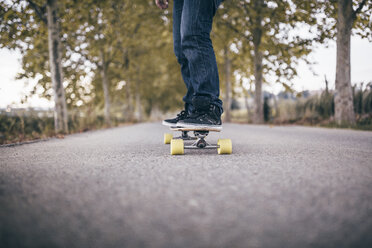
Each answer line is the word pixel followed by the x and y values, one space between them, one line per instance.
pixel 192 24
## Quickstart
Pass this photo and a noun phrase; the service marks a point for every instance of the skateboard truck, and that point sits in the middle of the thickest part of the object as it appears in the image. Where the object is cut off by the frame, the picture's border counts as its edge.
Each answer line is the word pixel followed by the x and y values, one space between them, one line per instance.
pixel 200 141
pixel 177 146
pixel 185 136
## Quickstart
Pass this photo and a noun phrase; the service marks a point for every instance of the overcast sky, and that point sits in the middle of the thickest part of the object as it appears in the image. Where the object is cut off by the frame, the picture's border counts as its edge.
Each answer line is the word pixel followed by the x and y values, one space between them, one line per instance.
pixel 11 90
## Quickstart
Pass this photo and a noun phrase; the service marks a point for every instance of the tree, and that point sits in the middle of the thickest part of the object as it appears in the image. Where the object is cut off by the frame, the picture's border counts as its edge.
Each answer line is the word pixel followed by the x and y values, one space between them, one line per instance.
pixel 21 18
pixel 268 41
pixel 54 44
pixel 99 28
pixel 227 72
pixel 339 19
pixel 347 17
pixel 223 39
pixel 117 36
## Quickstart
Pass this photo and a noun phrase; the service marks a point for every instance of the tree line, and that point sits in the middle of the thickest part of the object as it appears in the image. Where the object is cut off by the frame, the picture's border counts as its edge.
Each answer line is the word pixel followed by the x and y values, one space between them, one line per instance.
pixel 119 53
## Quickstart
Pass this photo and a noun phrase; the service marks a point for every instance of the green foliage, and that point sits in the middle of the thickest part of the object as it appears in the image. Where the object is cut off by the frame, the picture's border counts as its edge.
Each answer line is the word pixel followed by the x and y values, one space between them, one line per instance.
pixel 325 13
pixel 273 28
pixel 128 33
pixel 131 32
pixel 24 127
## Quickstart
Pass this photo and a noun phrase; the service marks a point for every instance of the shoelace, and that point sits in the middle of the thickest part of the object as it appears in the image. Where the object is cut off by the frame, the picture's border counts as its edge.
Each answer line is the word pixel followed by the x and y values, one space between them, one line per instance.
pixel 181 114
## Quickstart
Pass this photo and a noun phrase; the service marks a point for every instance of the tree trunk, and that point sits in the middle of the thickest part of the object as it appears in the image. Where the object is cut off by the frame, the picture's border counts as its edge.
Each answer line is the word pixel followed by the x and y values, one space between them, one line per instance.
pixel 138 107
pixel 227 64
pixel 249 112
pixel 129 102
pixel 105 87
pixel 138 112
pixel 258 97
pixel 54 43
pixel 257 36
pixel 344 109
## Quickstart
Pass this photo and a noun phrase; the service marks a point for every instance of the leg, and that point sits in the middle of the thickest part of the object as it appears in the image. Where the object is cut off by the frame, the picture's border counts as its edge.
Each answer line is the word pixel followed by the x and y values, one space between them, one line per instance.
pixel 182 60
pixel 196 25
pixel 177 14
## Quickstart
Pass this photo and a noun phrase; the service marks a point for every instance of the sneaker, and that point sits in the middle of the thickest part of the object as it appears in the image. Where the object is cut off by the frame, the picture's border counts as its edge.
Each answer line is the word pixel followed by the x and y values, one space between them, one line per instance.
pixel 203 118
pixel 173 122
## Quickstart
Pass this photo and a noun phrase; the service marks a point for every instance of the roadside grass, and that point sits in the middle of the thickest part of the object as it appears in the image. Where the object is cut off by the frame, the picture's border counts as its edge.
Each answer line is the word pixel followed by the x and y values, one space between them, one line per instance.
pixel 33 126
pixel 317 110
pixel 364 124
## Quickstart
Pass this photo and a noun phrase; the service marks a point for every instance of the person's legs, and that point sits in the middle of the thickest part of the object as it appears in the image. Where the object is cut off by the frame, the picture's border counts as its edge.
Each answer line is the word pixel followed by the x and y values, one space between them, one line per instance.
pixel 196 25
pixel 182 60
pixel 177 14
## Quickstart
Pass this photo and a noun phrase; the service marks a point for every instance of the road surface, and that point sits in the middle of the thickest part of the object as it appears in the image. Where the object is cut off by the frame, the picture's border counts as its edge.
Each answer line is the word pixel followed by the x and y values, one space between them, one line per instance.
pixel 282 187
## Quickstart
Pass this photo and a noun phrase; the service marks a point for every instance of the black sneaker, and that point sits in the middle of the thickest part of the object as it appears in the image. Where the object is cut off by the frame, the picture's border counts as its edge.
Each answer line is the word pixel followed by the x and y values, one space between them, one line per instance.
pixel 203 118
pixel 173 122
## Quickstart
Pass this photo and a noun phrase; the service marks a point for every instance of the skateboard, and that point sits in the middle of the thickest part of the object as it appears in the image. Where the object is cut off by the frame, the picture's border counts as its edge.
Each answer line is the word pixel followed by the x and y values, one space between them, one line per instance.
pixel 177 146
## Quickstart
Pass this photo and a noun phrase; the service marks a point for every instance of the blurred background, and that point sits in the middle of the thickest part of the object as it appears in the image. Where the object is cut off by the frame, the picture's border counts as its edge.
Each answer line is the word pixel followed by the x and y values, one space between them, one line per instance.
pixel 70 66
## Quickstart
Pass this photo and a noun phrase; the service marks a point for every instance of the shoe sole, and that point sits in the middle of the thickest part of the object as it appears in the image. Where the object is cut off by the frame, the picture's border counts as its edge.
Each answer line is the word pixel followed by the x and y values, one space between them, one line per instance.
pixel 198 126
pixel 169 124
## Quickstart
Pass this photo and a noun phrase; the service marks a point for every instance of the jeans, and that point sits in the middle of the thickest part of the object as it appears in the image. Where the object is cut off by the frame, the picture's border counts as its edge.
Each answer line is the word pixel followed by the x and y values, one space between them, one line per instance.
pixel 192 24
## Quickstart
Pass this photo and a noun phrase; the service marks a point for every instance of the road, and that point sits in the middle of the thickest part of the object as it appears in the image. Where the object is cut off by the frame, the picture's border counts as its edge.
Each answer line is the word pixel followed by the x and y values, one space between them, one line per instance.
pixel 284 186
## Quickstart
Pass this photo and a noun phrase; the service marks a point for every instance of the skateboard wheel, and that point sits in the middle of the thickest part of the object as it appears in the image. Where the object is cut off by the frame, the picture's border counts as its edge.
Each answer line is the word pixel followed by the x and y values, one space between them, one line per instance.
pixel 176 147
pixel 224 146
pixel 167 138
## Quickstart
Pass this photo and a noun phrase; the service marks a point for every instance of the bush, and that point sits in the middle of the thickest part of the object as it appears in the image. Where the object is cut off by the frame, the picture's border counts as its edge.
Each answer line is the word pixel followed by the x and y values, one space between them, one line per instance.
pixel 20 128
pixel 320 109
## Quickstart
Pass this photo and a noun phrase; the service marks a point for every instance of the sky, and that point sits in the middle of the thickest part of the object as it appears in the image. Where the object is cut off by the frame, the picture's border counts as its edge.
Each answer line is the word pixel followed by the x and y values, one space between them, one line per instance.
pixel 11 90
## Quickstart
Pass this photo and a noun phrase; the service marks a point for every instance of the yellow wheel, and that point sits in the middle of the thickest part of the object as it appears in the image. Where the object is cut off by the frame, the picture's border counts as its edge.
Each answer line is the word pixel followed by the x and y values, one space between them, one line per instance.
pixel 167 138
pixel 176 147
pixel 225 146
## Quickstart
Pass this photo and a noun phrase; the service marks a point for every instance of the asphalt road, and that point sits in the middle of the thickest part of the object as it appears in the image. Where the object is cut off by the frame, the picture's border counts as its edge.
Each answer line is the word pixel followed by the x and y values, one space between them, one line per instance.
pixel 282 187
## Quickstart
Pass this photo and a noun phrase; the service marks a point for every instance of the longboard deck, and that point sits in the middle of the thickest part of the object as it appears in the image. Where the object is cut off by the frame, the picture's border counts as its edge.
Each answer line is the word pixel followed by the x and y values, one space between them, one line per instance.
pixel 215 129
